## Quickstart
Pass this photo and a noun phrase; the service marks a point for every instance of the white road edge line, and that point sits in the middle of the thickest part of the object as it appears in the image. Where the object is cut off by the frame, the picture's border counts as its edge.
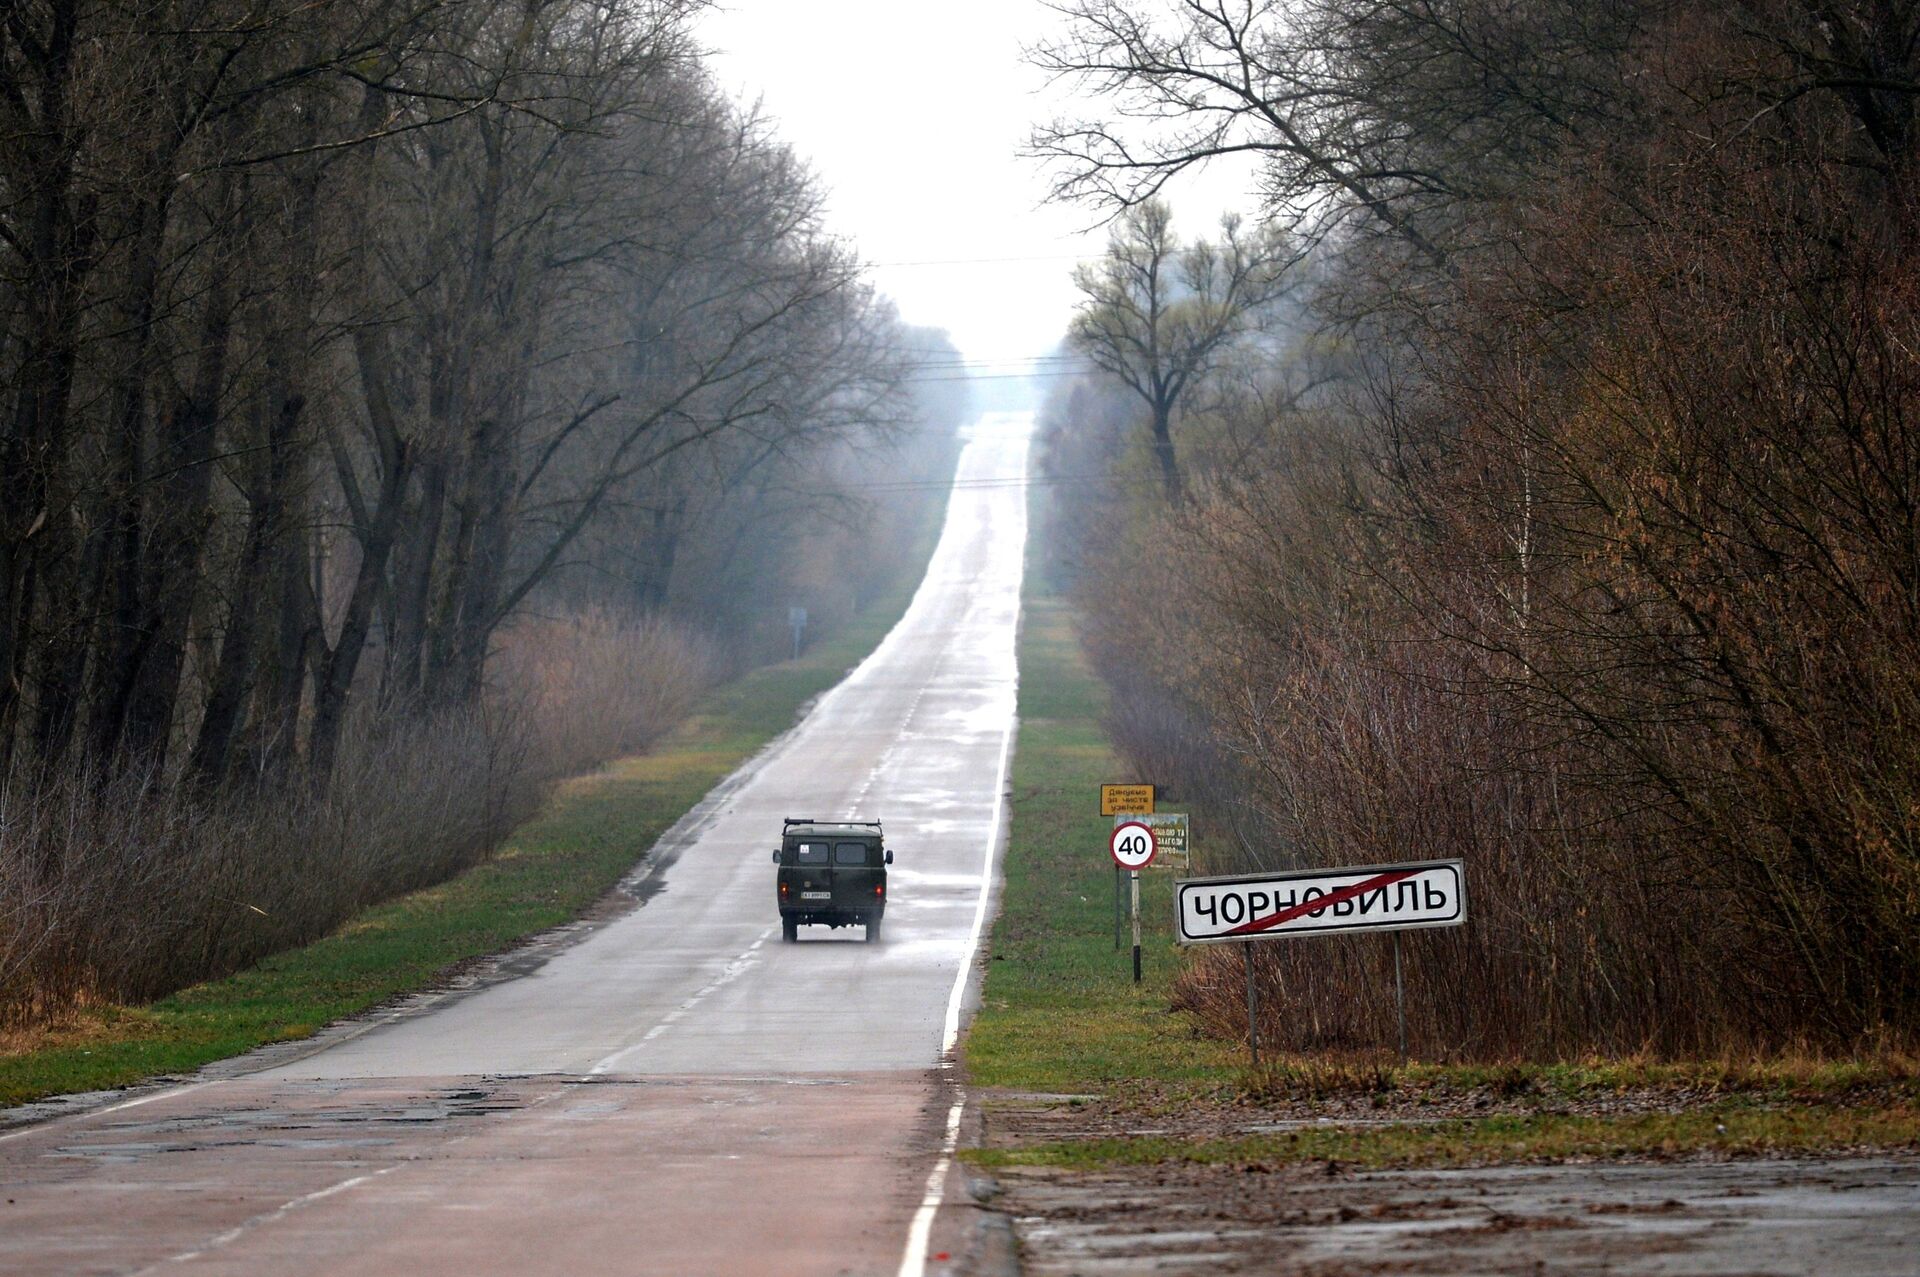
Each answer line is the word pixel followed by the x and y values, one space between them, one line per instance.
pixel 60 1120
pixel 914 1262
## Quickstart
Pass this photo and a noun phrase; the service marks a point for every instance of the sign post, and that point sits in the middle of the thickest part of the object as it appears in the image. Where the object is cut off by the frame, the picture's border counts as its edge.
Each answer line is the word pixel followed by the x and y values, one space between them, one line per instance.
pixel 1134 877
pixel 1123 801
pixel 1395 898
pixel 1399 999
pixel 1132 846
pixel 1253 1008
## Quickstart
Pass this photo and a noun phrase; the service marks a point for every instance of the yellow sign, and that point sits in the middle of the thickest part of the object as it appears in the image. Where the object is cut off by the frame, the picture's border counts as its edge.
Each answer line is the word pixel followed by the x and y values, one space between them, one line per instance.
pixel 1126 800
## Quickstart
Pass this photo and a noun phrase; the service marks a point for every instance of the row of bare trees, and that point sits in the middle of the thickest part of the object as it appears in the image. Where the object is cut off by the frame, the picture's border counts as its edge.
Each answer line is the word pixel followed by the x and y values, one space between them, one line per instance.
pixel 338 340
pixel 1564 514
pixel 340 329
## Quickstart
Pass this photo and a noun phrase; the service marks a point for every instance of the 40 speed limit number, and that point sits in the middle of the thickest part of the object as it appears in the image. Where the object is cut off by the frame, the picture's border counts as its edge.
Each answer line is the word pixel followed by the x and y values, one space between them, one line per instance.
pixel 1133 845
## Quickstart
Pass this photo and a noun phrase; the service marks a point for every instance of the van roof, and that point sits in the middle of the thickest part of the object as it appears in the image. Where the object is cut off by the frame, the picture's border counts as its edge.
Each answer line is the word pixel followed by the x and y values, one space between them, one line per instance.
pixel 803 826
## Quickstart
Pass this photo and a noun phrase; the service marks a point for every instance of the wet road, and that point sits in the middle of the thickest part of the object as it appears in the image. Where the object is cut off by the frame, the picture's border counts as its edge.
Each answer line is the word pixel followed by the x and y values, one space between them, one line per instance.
pixel 677 1092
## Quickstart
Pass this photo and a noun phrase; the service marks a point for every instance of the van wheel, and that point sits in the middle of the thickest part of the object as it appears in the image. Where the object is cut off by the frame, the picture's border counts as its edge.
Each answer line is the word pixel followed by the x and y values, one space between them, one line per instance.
pixel 789 930
pixel 873 928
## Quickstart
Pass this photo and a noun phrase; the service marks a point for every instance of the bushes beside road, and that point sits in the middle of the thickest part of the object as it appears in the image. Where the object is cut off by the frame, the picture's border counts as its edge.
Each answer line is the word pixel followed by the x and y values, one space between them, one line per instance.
pixel 1559 516
pixel 1074 1059
pixel 120 889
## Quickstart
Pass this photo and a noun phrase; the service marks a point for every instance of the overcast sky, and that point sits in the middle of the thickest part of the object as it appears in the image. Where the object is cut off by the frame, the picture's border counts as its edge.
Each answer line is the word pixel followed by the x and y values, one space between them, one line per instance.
pixel 913 116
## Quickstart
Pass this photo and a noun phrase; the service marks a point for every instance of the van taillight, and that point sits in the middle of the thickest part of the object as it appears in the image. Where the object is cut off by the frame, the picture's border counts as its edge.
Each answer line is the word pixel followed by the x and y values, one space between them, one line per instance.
pixel 783 888
pixel 879 888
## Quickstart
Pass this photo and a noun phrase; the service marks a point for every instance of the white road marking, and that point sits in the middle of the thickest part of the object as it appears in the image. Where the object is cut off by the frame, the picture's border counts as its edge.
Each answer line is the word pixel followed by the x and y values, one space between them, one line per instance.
pixel 914 1262
pixel 273 1216
pixel 285 1209
pixel 34 1127
pixel 886 757
pixel 728 974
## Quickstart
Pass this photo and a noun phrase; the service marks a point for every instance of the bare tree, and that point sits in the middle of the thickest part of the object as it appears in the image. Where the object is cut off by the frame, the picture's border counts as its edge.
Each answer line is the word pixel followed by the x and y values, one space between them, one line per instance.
pixel 1157 315
pixel 332 332
pixel 1602 573
pixel 1390 118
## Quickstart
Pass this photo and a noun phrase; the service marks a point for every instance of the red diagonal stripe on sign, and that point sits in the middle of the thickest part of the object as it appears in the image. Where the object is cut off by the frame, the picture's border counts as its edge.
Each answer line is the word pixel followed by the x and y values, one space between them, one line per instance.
pixel 1319 902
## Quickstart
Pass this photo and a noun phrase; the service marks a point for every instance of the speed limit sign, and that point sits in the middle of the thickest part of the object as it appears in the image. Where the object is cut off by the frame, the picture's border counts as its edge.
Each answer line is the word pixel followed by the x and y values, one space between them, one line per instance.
pixel 1132 845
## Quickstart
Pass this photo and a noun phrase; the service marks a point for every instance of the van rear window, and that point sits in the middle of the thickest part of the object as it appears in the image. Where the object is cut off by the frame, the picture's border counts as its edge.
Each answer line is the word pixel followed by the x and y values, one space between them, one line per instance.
pixel 810 853
pixel 849 853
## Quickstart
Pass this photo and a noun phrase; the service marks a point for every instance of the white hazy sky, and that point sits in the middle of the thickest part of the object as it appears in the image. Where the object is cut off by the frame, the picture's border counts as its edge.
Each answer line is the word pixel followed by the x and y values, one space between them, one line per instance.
pixel 913 115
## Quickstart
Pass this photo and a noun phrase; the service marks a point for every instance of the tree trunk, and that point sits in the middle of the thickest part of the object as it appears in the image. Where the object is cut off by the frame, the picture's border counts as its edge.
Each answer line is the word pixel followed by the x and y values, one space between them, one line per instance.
pixel 655 584
pixel 128 632
pixel 413 580
pixel 55 261
pixel 341 660
pixel 172 580
pixel 233 675
pixel 1171 482
pixel 489 514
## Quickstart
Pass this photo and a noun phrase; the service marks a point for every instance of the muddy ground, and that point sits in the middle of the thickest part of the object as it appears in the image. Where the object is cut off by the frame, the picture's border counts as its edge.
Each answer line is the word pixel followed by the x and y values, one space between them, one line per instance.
pixel 1846 1215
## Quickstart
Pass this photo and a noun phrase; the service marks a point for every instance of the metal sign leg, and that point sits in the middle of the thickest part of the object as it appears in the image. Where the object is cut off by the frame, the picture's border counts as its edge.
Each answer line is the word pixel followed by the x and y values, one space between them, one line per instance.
pixel 1134 874
pixel 1400 999
pixel 1253 1006
pixel 1119 906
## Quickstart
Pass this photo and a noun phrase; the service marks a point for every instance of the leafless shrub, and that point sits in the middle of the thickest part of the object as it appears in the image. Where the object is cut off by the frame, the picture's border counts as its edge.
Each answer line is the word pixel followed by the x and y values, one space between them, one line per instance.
pixel 1607 586
pixel 123 888
pixel 599 683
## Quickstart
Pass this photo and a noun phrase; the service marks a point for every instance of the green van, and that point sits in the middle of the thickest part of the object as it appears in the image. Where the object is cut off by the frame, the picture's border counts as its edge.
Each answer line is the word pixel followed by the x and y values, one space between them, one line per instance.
pixel 832 872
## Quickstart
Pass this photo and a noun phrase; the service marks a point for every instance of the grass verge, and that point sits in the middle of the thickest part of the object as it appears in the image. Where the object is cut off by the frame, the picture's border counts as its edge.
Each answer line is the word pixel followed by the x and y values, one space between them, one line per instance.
pixel 1059 1010
pixel 547 872
pixel 1724 1130
pixel 1060 1015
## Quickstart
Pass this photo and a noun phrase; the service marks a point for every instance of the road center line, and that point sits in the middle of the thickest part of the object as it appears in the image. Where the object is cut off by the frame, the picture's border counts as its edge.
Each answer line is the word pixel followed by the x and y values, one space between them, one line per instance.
pixel 260 1221
pixel 282 1211
pixel 728 974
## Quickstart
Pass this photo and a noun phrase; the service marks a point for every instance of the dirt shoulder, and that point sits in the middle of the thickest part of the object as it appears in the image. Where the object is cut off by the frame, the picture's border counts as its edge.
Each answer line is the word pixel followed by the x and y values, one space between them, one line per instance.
pixel 1646 1180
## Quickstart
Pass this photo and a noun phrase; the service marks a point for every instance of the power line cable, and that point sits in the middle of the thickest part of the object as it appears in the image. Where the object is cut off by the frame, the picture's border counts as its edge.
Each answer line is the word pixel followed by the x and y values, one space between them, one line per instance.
pixel 986 261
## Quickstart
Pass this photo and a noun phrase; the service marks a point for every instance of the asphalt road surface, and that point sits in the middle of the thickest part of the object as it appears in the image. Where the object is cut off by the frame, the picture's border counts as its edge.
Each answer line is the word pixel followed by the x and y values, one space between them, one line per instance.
pixel 676 1091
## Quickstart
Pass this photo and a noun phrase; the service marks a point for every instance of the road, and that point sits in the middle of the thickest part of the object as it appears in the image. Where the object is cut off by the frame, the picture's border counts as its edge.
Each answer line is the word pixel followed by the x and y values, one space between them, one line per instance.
pixel 676 1091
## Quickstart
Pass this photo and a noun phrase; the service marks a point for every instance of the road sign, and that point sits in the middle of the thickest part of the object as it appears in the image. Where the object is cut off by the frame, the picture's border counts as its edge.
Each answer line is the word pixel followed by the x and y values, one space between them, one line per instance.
pixel 1172 849
pixel 1429 893
pixel 1132 845
pixel 1126 800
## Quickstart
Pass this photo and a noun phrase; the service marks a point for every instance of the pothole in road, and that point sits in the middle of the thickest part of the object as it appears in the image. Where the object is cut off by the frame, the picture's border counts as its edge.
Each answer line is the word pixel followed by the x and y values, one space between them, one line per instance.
pixel 303 1120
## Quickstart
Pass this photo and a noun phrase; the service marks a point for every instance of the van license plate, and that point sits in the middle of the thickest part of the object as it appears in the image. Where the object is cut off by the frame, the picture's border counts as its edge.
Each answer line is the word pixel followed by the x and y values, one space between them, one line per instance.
pixel 816 895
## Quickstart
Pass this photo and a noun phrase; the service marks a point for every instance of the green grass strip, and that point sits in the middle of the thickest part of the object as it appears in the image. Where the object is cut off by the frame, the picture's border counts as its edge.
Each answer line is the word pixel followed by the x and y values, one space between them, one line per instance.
pixel 1731 1130
pixel 549 871
pixel 1059 1010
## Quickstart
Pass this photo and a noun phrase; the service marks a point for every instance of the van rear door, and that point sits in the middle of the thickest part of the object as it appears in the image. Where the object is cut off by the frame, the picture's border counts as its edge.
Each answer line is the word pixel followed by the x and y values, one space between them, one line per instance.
pixel 812 874
pixel 857 874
